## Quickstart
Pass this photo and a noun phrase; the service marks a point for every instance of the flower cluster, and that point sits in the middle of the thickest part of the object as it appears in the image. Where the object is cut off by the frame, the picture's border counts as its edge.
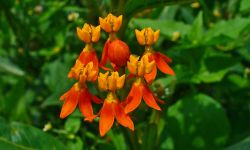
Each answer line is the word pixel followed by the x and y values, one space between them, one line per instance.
pixel 142 68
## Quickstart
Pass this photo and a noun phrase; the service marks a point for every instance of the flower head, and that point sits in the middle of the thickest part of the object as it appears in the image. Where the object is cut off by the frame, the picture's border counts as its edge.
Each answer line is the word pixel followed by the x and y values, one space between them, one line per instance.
pixel 83 72
pixel 147 36
pixel 140 91
pixel 111 23
pixel 112 82
pixel 89 33
pixel 80 95
pixel 140 67
pixel 111 109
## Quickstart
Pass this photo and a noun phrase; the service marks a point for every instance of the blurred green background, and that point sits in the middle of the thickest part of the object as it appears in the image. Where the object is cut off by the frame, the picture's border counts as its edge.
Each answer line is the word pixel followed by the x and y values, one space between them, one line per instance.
pixel 207 102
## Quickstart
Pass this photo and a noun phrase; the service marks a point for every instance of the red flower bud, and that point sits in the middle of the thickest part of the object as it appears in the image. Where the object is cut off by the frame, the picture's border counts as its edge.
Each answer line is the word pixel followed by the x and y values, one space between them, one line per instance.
pixel 118 53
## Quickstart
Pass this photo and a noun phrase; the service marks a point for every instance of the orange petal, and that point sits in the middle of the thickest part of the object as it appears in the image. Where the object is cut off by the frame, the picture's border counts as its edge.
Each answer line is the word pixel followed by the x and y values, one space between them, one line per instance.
pixel 83 56
pixel 64 96
pixel 105 25
pixel 96 34
pixel 166 59
pixel 107 117
pixel 151 76
pixel 163 66
pixel 95 63
pixel 117 23
pixel 104 58
pixel 85 104
pixel 123 118
pixel 149 98
pixel 136 95
pixel 70 103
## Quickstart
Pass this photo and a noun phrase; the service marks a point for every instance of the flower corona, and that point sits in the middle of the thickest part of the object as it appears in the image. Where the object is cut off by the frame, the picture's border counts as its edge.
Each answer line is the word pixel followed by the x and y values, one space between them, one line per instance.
pixel 87 68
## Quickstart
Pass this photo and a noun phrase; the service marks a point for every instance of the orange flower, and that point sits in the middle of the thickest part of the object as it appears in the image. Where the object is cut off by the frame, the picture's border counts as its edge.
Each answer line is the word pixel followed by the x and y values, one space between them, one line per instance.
pixel 140 67
pixel 139 88
pixel 88 33
pixel 161 62
pixel 115 50
pixel 79 93
pixel 110 110
pixel 147 37
pixel 112 82
pixel 87 55
pixel 111 23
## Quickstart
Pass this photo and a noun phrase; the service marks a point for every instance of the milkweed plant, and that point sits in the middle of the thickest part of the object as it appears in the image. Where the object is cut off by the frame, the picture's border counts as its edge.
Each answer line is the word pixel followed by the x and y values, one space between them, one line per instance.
pixel 126 69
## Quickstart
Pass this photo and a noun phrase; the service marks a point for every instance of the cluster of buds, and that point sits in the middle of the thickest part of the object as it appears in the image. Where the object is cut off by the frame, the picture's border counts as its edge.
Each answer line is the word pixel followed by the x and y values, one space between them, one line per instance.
pixel 142 68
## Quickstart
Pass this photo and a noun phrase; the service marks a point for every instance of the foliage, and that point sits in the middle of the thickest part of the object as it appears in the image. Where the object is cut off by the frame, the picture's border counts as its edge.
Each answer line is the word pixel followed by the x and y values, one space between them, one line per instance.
pixel 207 102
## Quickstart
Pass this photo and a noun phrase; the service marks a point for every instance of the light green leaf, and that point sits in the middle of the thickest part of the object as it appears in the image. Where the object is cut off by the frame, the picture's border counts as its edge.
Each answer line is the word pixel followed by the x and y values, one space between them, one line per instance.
pixel 196 32
pixel 7 66
pixel 134 6
pixel 244 5
pixel 73 124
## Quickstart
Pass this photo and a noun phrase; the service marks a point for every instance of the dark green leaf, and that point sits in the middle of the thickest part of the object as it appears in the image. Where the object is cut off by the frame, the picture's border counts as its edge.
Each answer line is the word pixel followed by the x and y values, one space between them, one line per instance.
pixel 243 145
pixel 196 122
pixel 28 136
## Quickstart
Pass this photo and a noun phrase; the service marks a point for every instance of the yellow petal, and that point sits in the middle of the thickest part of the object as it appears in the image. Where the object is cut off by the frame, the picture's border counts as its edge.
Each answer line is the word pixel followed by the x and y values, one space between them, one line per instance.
pixel 141 68
pixel 149 36
pixel 156 35
pixel 96 33
pixel 140 36
pixel 149 67
pixel 105 25
pixel 120 81
pixel 79 33
pixel 112 82
pixel 102 81
pixel 117 23
pixel 131 68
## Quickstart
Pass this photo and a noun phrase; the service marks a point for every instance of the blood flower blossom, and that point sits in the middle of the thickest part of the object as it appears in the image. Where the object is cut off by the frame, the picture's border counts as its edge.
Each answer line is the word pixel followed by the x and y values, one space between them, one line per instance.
pixel 112 107
pixel 88 34
pixel 79 93
pixel 147 37
pixel 115 50
pixel 140 89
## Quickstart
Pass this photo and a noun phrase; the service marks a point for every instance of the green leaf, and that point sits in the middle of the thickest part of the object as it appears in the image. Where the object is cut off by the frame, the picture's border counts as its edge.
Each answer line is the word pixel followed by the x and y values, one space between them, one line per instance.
pixel 134 6
pixel 6 145
pixel 167 27
pixel 73 124
pixel 149 137
pixel 243 145
pixel 196 32
pixel 231 28
pixel 28 136
pixel 195 122
pixel 244 5
pixel 118 140
pixel 7 66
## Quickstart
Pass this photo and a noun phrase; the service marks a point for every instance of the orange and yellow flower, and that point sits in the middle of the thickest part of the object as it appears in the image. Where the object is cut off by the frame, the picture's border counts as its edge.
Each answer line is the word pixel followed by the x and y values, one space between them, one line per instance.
pixel 140 90
pixel 79 93
pixel 115 50
pixel 111 23
pixel 112 108
pixel 147 37
pixel 88 33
